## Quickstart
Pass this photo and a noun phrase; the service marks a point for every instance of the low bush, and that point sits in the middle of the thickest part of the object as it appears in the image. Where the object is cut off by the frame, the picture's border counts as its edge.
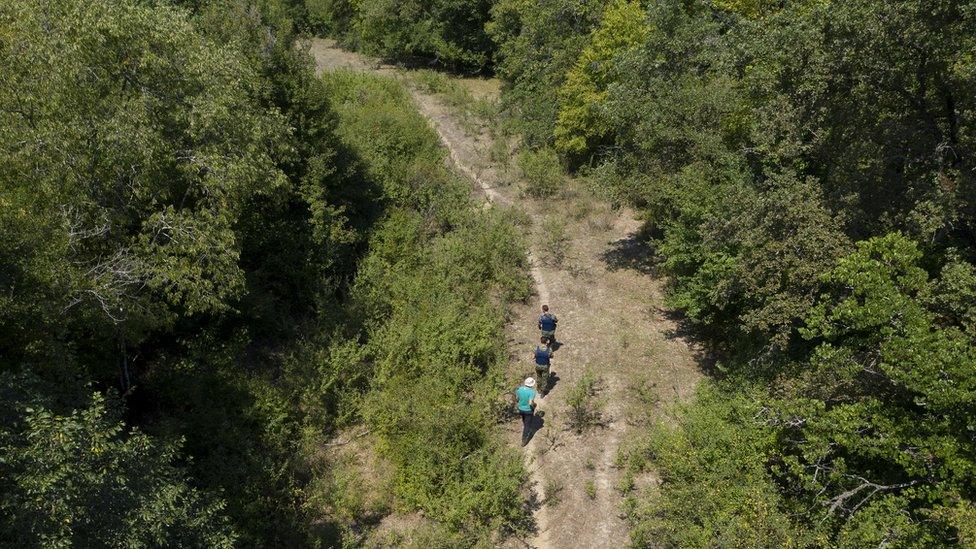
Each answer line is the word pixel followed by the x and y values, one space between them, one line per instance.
pixel 554 242
pixel 429 300
pixel 715 490
pixel 584 409
pixel 541 172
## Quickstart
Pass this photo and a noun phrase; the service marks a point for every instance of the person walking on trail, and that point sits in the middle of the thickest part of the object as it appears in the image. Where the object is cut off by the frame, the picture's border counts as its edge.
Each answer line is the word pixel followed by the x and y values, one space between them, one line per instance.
pixel 547 323
pixel 526 406
pixel 543 362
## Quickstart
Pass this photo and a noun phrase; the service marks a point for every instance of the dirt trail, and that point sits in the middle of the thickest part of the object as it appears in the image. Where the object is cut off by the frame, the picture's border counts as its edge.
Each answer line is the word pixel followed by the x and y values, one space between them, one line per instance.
pixel 611 321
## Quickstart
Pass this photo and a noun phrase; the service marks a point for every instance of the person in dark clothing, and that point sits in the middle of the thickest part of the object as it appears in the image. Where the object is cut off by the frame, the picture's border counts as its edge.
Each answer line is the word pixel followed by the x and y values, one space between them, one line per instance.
pixel 547 324
pixel 543 363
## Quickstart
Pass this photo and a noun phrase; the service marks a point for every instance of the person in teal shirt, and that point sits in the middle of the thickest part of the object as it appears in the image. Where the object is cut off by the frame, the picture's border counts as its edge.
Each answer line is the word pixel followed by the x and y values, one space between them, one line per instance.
pixel 526 407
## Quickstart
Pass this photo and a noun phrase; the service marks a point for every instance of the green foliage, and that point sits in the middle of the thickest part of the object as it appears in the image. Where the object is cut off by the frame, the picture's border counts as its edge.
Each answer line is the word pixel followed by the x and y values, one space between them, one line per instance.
pixel 541 172
pixel 183 206
pixel 397 148
pixel 583 408
pixel 264 257
pixel 752 9
pixel 428 297
pixel 953 295
pixel 538 42
pixel 554 241
pixel 730 266
pixel 705 121
pixel 450 32
pixel 581 126
pixel 143 191
pixel 202 208
pixel 243 434
pixel 879 423
pixel 82 479
pixel 767 144
pixel 435 82
pixel 590 489
pixel 331 17
pixel 172 186
pixel 715 490
pixel 554 493
pixel 462 102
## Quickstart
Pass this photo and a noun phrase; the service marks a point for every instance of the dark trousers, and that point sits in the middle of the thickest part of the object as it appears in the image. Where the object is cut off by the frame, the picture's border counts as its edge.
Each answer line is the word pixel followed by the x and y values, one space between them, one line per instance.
pixel 526 426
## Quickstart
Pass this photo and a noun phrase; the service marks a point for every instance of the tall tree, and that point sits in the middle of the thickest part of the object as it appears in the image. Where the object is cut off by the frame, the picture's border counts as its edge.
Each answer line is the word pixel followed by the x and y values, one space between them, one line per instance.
pixel 82 479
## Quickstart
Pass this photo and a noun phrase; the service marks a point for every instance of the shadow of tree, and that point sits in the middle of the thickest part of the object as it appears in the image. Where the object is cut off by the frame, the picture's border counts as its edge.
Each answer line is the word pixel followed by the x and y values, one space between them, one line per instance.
pixel 526 528
pixel 632 252
pixel 635 252
pixel 705 355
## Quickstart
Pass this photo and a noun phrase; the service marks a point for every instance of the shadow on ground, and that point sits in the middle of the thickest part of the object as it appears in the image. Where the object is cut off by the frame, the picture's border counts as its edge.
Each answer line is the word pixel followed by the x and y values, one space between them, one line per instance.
pixel 550 383
pixel 704 355
pixel 632 252
pixel 528 528
pixel 538 421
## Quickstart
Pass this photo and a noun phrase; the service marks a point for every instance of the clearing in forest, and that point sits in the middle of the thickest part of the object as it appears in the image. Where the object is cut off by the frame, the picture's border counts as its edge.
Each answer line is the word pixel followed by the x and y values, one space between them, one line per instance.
pixel 620 355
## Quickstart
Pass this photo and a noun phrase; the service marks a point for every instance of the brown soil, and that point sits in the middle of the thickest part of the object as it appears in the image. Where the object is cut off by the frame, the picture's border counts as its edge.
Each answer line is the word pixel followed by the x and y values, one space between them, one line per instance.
pixel 611 320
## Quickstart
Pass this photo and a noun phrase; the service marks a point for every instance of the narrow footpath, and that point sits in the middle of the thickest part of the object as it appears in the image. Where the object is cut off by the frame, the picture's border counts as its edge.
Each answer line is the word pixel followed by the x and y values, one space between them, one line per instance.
pixel 611 323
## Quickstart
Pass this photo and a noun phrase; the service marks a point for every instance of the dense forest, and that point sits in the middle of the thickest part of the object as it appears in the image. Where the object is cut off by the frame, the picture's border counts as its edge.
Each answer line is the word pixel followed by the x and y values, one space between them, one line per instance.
pixel 214 262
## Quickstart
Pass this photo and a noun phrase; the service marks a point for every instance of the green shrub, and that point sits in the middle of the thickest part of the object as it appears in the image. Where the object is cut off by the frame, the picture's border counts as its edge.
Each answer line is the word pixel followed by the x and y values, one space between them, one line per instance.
pixel 429 298
pixel 590 489
pixel 538 43
pixel 436 82
pixel 437 363
pixel 554 241
pixel 715 489
pixel 449 32
pixel 541 172
pixel 456 95
pixel 331 17
pixel 584 410
pixel 554 493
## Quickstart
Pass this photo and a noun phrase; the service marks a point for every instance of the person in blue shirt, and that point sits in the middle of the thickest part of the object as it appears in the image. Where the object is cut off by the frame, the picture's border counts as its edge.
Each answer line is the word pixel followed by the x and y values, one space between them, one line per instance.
pixel 543 362
pixel 547 324
pixel 526 406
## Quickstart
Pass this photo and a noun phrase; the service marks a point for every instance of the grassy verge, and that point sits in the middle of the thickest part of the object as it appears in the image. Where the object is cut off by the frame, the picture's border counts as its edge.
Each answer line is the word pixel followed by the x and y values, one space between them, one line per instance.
pixel 429 306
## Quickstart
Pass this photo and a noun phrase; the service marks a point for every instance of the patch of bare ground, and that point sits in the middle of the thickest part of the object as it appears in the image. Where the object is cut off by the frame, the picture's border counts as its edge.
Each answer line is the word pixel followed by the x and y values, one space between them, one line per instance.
pixel 611 321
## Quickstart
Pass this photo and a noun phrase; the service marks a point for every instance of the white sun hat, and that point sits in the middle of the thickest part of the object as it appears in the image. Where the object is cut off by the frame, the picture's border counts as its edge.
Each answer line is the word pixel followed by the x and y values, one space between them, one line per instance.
pixel 529 382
